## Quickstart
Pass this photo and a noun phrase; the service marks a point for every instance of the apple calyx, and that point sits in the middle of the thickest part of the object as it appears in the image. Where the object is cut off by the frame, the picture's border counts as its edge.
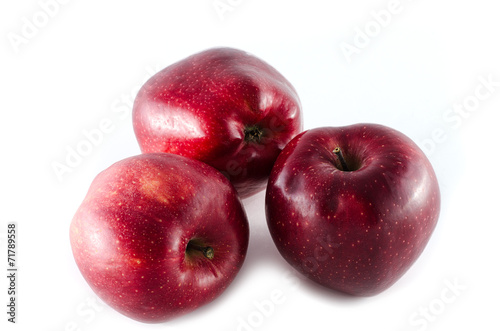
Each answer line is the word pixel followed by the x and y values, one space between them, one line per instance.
pixel 338 152
pixel 253 133
pixel 207 251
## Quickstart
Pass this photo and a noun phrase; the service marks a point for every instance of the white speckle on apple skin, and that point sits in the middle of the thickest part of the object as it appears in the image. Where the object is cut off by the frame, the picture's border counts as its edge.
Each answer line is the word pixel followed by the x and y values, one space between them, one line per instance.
pixel 130 244
pixel 201 106
pixel 380 215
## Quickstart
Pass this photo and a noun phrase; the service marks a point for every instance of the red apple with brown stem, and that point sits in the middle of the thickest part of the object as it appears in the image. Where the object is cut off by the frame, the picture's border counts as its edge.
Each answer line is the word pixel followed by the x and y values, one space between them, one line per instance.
pixel 159 235
pixel 352 207
pixel 224 107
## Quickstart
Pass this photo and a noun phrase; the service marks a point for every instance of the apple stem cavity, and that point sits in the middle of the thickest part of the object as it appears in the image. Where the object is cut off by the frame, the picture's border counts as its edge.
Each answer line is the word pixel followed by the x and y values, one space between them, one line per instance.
pixel 253 133
pixel 337 151
pixel 207 251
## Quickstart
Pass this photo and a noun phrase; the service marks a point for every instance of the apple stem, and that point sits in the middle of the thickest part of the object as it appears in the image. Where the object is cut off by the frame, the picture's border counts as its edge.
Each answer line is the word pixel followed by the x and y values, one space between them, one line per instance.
pixel 340 156
pixel 207 251
pixel 253 133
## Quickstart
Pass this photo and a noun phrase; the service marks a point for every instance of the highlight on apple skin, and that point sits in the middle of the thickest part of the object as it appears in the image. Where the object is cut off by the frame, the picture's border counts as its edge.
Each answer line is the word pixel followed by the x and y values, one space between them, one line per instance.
pixel 222 106
pixel 352 207
pixel 159 235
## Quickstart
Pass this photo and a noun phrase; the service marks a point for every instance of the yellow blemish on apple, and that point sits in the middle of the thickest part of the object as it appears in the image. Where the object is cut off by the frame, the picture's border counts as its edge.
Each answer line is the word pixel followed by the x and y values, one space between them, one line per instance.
pixel 152 188
pixel 158 190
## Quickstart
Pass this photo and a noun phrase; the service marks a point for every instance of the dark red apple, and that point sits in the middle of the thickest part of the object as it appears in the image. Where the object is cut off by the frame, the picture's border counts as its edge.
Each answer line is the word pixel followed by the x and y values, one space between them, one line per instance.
pixel 159 235
pixel 224 107
pixel 352 207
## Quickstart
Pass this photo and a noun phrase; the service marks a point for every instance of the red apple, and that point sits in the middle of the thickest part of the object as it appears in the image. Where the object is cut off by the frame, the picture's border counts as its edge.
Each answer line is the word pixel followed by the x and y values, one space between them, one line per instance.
pixel 352 207
pixel 224 107
pixel 159 235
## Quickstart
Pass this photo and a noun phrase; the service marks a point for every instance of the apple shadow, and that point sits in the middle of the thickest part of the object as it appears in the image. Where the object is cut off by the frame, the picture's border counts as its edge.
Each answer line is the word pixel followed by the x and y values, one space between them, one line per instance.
pixel 263 253
pixel 261 248
pixel 325 293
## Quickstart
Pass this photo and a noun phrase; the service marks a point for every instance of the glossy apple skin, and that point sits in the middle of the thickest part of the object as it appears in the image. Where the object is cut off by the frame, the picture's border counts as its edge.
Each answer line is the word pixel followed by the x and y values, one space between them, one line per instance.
pixel 130 234
pixel 353 231
pixel 200 107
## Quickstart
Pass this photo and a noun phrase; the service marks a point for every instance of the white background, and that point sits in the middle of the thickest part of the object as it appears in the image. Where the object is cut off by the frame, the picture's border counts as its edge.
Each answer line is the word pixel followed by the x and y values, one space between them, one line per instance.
pixel 83 63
